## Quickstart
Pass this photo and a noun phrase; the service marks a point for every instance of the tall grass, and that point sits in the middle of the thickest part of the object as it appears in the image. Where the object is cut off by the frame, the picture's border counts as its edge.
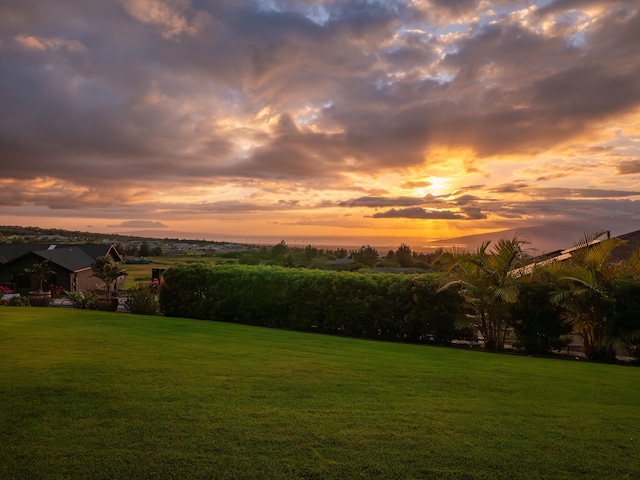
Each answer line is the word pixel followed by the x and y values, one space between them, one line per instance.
pixel 100 395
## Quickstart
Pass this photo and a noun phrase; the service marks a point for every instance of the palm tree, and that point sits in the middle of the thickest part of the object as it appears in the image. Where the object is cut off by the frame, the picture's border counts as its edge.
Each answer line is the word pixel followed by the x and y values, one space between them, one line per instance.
pixel 587 290
pixel 488 284
pixel 107 270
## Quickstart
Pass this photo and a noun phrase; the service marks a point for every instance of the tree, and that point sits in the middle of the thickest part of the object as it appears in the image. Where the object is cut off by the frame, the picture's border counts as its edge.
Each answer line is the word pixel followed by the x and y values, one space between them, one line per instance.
pixel 107 270
pixel 391 257
pixel 589 291
pixel 40 271
pixel 311 252
pixel 341 253
pixel 404 256
pixel 488 285
pixel 367 255
pixel 145 250
pixel 279 250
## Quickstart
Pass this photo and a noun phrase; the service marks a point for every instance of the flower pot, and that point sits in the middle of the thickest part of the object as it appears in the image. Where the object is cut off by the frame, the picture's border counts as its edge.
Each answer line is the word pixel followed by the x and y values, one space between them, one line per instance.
pixel 39 299
pixel 108 304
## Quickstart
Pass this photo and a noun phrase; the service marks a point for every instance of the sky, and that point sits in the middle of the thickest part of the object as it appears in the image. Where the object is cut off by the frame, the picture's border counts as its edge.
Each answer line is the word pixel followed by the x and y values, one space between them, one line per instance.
pixel 328 121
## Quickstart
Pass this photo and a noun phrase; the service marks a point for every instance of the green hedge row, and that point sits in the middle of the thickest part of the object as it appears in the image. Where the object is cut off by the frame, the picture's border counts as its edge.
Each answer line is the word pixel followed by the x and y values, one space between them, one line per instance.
pixel 383 306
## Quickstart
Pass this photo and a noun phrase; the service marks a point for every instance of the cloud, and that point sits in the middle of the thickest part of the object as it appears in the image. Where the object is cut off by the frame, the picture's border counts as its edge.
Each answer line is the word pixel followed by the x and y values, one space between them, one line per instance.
pixel 30 42
pixel 583 193
pixel 410 185
pixel 419 213
pixel 293 100
pixel 376 202
pixel 168 15
pixel 631 167
pixel 509 188
pixel 140 224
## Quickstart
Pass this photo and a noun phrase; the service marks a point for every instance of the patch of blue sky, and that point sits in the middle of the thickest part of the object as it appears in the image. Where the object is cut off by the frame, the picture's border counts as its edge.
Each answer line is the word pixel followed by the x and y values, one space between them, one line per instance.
pixel 431 29
pixel 306 119
pixel 578 40
pixel 268 6
pixel 441 77
pixel 318 14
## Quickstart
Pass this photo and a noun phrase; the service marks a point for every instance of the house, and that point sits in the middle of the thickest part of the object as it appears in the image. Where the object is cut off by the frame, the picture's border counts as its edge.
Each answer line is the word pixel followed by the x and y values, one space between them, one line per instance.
pixel 70 266
pixel 630 242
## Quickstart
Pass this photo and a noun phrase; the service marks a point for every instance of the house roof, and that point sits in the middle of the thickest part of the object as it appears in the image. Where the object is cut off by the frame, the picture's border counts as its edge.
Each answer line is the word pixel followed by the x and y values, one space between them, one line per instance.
pixel 72 258
pixel 9 251
pixel 95 251
pixel 631 242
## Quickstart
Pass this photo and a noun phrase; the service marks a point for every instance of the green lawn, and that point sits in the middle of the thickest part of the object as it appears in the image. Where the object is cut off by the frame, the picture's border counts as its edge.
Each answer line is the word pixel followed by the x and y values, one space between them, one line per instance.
pixel 101 395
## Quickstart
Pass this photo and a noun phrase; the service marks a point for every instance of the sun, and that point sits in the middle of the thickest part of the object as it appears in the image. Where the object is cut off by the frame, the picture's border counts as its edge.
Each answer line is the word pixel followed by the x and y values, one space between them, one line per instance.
pixel 436 186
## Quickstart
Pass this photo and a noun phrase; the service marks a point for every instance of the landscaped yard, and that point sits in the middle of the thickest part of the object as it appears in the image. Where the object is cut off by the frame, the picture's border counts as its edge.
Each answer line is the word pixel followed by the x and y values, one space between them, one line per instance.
pixel 88 394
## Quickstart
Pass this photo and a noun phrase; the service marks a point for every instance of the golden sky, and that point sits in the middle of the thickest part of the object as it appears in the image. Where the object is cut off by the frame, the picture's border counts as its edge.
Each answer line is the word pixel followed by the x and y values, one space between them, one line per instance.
pixel 329 121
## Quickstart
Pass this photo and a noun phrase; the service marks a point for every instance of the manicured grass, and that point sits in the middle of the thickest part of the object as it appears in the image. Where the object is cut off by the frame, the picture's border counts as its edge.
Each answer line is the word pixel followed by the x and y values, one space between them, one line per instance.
pixel 100 395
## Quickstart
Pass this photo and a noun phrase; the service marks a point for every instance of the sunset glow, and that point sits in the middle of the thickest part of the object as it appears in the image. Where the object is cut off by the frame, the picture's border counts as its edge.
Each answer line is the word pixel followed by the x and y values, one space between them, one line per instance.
pixel 327 122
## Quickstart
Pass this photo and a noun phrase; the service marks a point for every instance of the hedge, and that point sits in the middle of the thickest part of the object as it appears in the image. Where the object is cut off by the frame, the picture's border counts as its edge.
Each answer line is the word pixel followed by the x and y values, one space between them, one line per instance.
pixel 382 306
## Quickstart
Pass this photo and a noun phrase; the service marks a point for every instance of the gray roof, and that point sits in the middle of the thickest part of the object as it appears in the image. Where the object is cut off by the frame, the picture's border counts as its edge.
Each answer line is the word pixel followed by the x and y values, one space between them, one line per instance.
pixel 9 251
pixel 631 242
pixel 95 251
pixel 71 257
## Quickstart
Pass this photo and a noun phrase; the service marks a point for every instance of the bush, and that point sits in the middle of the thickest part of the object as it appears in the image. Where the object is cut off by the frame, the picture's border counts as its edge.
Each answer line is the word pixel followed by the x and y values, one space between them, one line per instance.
pixel 537 322
pixel 83 300
pixel 382 306
pixel 141 300
pixel 626 291
pixel 19 301
pixel 249 259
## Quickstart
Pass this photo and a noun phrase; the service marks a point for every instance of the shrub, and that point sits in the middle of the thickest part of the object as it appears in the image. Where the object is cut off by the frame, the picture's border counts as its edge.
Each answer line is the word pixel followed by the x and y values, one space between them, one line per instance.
pixel 537 322
pixel 91 301
pixel 141 300
pixel 249 259
pixel 83 300
pixel 381 306
pixel 19 301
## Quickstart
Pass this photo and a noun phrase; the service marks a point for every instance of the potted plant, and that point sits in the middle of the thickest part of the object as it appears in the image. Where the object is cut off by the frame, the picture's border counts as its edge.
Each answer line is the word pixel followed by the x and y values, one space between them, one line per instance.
pixel 108 271
pixel 40 272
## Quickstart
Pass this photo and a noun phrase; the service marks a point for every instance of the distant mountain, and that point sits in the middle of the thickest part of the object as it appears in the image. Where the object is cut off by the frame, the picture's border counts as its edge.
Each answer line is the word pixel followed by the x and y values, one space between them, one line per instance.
pixel 549 237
